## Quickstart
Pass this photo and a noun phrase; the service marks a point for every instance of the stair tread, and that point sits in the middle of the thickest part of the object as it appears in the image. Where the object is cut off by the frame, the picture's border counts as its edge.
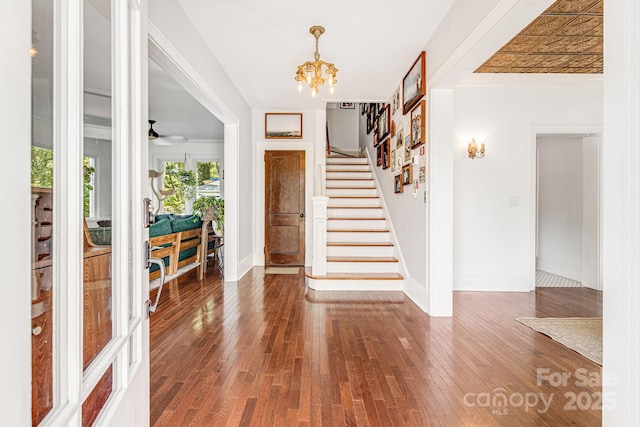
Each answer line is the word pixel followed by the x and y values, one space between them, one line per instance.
pixel 350 170
pixel 354 207
pixel 355 219
pixel 360 259
pixel 353 197
pixel 349 179
pixel 383 244
pixel 356 231
pixel 346 164
pixel 350 188
pixel 355 276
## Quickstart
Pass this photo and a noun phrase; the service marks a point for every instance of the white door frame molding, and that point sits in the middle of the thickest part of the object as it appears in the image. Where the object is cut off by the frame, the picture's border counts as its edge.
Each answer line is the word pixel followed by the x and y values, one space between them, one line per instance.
pixel 535 130
pixel 163 53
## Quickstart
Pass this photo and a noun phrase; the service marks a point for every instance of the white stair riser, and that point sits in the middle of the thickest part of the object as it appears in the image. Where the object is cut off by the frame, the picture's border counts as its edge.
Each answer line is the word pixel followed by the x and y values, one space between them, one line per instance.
pixel 361 167
pixel 346 236
pixel 350 183
pixel 377 251
pixel 351 192
pixel 338 201
pixel 337 160
pixel 354 213
pixel 362 267
pixel 341 175
pixel 365 224
pixel 355 285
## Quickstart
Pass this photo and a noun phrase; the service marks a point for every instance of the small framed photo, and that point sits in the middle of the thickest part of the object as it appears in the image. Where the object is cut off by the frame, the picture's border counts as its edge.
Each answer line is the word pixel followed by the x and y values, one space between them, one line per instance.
pixel 363 108
pixel 283 125
pixel 407 176
pixel 386 154
pixel 418 121
pixel 422 174
pixel 398 187
pixel 407 148
pixel 393 160
pixel 347 105
pixel 414 85
pixel 384 124
pixel 379 155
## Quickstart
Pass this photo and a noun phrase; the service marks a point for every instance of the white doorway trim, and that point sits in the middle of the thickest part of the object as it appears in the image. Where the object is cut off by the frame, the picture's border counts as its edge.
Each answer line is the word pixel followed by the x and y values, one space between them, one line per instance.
pixel 533 179
pixel 163 53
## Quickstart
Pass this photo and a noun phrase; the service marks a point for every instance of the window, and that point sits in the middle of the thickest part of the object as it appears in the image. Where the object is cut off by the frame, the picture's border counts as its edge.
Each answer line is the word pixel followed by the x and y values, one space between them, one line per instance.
pixel 207 179
pixel 174 203
pixel 42 175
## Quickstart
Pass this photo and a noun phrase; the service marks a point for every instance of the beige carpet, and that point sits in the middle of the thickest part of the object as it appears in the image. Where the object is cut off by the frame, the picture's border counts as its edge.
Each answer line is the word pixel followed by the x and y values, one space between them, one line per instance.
pixel 282 270
pixel 581 334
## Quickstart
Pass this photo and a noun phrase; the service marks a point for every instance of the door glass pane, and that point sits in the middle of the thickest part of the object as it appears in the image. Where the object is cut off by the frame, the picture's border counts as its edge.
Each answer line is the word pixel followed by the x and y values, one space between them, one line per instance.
pixel 95 401
pixel 97 173
pixel 42 163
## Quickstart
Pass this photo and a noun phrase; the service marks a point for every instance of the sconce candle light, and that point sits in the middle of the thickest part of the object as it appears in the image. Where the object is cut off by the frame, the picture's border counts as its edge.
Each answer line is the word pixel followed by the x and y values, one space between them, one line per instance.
pixel 474 151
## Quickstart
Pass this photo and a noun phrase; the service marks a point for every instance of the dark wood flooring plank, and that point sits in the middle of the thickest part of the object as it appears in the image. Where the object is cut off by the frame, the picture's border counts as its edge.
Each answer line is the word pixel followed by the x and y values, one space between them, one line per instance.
pixel 266 351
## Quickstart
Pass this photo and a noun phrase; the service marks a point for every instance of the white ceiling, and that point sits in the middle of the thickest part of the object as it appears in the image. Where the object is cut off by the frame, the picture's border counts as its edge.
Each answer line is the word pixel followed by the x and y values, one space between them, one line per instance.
pixel 260 44
pixel 178 113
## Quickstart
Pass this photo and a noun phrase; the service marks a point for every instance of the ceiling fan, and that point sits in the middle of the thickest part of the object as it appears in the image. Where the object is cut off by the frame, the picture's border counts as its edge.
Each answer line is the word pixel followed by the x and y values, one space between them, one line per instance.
pixel 153 135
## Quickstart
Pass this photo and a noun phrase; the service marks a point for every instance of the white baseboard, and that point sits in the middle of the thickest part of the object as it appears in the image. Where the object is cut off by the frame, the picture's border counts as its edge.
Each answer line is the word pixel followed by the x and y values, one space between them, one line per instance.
pixel 572 272
pixel 417 293
pixel 245 266
pixel 492 283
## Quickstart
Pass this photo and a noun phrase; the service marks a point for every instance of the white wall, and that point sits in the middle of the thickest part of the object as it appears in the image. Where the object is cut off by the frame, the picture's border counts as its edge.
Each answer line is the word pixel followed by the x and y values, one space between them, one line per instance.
pixel 494 197
pixel 343 126
pixel 407 214
pixel 217 93
pixel 560 205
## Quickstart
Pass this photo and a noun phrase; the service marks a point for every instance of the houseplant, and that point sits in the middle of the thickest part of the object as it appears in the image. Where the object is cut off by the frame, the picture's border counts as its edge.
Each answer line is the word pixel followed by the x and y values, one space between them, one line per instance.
pixel 210 207
pixel 188 180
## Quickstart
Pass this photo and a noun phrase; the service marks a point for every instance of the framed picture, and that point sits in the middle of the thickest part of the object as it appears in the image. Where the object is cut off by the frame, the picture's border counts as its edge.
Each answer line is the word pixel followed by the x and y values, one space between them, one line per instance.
pixel 418 121
pixel 386 154
pixel 414 85
pixel 384 124
pixel 400 139
pixel 283 125
pixel 398 187
pixel 393 160
pixel 399 159
pixel 347 105
pixel 422 174
pixel 407 177
pixel 395 101
pixel 407 148
pixel 370 121
pixel 373 109
pixel 379 155
pixel 363 108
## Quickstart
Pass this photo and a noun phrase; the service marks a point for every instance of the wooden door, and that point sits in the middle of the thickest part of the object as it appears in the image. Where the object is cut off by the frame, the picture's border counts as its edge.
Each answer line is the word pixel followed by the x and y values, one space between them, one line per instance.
pixel 284 207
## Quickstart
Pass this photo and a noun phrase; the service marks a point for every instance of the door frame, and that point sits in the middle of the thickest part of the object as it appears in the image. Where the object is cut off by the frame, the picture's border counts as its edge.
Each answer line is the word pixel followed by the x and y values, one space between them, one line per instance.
pixel 163 53
pixel 261 148
pixel 533 185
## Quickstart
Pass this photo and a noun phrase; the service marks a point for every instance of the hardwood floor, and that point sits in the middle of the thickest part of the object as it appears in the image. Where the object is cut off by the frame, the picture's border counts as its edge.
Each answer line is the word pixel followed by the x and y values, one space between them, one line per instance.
pixel 268 352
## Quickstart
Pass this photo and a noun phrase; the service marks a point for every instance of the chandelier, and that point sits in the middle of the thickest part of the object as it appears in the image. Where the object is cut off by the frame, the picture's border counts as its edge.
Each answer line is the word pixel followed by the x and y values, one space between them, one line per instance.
pixel 311 72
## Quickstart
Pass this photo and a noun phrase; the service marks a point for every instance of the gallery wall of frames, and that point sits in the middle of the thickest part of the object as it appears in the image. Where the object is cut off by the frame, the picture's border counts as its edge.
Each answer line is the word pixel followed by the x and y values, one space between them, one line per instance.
pixel 399 130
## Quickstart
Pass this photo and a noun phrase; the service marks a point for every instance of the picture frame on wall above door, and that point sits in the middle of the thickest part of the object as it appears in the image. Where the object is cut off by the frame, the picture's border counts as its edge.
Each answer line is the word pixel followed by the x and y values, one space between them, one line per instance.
pixel 283 125
pixel 414 84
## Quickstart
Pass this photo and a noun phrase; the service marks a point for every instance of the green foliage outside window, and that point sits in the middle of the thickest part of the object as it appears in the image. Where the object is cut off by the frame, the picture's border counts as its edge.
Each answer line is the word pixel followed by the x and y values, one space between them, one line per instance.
pixel 42 174
pixel 206 171
pixel 174 203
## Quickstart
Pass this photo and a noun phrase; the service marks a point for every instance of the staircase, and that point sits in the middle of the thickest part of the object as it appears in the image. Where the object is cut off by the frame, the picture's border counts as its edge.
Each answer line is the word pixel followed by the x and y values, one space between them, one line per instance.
pixel 359 248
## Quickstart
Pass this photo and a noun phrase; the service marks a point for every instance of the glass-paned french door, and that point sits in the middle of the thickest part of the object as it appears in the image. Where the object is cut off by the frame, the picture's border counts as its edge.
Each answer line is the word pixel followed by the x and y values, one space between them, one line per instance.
pixel 89 328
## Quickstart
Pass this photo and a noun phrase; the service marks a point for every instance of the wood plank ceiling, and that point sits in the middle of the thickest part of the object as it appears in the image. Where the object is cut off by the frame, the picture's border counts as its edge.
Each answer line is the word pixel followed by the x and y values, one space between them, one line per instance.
pixel 566 38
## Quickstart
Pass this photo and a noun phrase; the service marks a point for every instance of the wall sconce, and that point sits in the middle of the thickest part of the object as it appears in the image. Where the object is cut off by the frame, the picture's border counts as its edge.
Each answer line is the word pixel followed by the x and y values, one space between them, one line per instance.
pixel 473 149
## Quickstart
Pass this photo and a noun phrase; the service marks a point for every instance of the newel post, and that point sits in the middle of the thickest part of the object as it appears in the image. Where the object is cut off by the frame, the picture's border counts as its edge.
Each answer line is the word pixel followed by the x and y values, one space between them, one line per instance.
pixel 319 260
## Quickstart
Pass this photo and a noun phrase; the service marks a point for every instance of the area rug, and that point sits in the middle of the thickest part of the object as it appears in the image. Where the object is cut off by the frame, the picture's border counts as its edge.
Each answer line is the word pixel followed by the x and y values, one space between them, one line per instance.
pixel 580 334
pixel 282 270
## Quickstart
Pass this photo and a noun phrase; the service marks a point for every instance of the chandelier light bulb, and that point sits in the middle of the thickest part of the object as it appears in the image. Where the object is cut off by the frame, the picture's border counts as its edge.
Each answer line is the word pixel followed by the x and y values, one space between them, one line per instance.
pixel 299 86
pixel 314 92
pixel 331 89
